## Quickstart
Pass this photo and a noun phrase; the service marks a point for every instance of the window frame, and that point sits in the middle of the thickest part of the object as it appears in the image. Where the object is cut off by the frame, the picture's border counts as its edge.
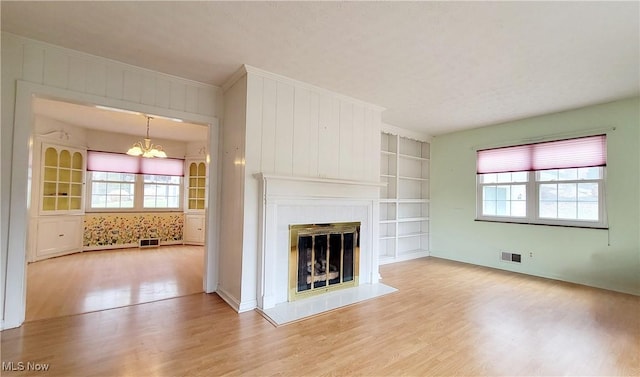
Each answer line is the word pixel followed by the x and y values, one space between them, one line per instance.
pixel 533 203
pixel 138 197
pixel 511 219
pixel 179 196
pixel 90 183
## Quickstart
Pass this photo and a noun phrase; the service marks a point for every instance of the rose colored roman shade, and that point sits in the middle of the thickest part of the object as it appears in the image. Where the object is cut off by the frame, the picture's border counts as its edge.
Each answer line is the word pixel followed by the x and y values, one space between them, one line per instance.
pixel 122 163
pixel 561 154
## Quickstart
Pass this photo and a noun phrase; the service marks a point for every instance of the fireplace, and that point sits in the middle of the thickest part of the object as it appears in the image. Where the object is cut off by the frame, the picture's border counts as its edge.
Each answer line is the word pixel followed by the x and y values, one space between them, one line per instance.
pixel 288 201
pixel 323 257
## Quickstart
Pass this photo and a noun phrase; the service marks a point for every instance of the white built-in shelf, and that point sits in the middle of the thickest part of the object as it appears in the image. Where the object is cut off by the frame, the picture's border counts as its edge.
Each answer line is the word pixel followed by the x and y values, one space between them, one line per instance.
pixel 412 219
pixel 401 201
pixel 404 202
pixel 414 178
pixel 412 235
pixel 416 252
pixel 419 158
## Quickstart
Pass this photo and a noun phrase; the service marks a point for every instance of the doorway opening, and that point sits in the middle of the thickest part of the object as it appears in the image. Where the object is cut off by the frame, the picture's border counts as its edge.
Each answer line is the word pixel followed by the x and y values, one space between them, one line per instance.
pixel 87 255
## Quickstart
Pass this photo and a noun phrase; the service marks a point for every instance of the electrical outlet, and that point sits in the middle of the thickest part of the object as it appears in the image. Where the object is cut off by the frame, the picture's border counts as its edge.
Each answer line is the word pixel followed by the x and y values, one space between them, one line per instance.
pixel 531 254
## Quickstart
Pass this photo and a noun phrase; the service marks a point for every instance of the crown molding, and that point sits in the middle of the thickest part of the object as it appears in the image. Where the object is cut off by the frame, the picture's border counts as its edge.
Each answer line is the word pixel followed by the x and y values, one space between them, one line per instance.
pixel 415 135
pixel 237 75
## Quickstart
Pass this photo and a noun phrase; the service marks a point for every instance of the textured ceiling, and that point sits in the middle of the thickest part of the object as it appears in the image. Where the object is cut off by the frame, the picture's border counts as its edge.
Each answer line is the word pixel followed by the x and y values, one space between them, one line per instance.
pixel 436 66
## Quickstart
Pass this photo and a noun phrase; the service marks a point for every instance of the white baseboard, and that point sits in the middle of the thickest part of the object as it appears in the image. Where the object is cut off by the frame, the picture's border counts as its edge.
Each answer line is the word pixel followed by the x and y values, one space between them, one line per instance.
pixel 405 257
pixel 126 246
pixel 110 247
pixel 247 306
pixel 236 304
pixel 228 298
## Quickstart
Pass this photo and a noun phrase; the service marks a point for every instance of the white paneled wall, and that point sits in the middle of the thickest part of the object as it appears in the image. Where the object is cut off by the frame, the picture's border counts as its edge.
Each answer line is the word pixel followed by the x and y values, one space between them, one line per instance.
pixel 67 69
pixel 290 128
pixel 305 131
pixel 85 78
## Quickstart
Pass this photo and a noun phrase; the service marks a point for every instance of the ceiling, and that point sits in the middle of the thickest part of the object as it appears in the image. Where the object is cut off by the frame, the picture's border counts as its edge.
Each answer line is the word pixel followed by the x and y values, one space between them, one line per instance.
pixel 119 121
pixel 436 67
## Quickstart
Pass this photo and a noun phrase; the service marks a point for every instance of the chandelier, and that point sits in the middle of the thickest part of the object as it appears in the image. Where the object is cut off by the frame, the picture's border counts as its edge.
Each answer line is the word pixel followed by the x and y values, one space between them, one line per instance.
pixel 145 148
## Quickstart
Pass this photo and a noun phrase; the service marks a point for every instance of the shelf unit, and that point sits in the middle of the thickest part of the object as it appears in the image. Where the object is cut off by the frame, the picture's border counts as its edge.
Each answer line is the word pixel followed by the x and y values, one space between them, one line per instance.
pixel 56 226
pixel 404 201
pixel 196 202
pixel 62 180
pixel 196 185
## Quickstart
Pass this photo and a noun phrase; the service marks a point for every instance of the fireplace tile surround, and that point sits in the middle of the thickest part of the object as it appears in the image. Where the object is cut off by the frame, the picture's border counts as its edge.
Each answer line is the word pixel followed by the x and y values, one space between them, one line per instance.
pixel 288 200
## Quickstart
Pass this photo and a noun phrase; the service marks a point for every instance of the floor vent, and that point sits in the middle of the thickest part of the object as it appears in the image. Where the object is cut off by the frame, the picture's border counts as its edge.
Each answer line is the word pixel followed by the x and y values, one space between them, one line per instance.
pixel 510 257
pixel 149 242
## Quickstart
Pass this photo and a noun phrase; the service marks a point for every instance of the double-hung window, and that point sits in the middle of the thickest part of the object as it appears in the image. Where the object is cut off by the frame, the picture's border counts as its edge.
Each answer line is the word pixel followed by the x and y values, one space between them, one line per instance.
pixel 162 191
pixel 122 182
pixel 556 183
pixel 112 190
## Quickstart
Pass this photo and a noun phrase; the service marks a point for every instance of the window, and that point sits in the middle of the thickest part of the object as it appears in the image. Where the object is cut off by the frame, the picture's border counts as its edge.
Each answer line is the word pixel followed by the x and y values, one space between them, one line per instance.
pixel 121 182
pixel 569 194
pixel 555 183
pixel 161 191
pixel 121 191
pixel 112 190
pixel 504 194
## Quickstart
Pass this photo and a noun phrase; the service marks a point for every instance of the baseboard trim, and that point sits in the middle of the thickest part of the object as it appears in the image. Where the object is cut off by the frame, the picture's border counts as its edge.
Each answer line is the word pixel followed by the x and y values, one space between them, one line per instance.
pixel 127 246
pixel 229 299
pixel 236 304
pixel 550 276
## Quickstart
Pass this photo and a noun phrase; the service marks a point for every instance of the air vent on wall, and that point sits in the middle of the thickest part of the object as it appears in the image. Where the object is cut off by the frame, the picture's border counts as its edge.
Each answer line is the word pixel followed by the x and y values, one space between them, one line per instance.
pixel 510 257
pixel 149 242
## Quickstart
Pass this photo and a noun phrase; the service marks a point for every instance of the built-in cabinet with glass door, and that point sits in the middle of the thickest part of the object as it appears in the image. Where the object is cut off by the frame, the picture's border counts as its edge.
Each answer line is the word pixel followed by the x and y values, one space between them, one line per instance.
pixel 196 195
pixel 404 200
pixel 62 180
pixel 61 204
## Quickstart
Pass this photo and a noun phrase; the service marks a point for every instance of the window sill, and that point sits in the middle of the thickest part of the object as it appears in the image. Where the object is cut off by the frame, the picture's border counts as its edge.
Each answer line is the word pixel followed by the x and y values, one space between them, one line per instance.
pixel 597 227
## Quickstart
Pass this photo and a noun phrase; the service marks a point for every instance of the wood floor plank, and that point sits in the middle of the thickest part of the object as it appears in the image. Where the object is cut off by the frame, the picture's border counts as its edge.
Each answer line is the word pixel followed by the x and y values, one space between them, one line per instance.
pixel 447 318
pixel 99 280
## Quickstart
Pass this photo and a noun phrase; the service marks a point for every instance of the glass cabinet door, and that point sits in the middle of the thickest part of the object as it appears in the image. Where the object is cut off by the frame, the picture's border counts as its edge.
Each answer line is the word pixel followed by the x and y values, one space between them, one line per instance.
pixel 196 193
pixel 62 179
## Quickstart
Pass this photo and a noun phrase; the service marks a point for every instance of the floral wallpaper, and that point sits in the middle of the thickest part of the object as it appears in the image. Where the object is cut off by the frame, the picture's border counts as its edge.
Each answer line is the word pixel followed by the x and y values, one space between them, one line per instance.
pixel 107 229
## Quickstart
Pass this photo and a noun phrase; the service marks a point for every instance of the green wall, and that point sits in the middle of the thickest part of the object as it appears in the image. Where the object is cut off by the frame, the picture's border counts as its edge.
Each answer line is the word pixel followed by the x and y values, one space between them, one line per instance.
pixel 607 259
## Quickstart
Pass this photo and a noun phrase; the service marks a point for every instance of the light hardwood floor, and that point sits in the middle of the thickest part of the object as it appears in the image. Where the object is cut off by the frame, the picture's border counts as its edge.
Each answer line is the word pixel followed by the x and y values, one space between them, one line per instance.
pixel 447 318
pixel 98 280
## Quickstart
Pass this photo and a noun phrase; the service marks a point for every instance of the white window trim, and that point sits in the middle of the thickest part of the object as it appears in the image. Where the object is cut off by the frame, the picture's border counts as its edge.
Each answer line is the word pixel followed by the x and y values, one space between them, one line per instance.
pixel 532 217
pixel 138 198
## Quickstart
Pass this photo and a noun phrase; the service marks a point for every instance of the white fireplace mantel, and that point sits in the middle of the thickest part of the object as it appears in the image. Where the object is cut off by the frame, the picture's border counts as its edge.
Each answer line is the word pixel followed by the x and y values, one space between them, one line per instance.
pixel 288 200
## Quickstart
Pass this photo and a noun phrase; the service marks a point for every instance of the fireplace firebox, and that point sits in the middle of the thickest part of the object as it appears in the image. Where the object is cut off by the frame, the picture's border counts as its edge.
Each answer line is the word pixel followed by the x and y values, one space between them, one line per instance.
pixel 323 257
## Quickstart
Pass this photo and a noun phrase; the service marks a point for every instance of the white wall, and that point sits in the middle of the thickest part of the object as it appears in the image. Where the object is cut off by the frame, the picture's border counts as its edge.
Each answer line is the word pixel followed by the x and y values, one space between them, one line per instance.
pixel 232 209
pixel 294 129
pixel 607 259
pixel 68 74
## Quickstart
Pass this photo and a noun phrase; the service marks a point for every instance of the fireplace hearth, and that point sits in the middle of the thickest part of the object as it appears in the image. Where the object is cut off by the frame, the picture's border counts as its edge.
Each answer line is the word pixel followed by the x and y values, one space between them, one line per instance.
pixel 323 257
